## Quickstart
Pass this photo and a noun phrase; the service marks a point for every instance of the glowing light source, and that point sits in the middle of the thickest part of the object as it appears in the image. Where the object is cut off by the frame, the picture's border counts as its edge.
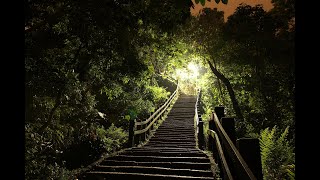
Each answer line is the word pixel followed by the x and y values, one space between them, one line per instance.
pixel 194 70
pixel 189 73
pixel 182 74
pixel 188 78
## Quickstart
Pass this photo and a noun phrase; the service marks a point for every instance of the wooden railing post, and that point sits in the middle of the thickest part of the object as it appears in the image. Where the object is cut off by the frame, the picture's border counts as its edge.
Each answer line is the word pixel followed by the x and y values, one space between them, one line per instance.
pixel 131 133
pixel 144 135
pixel 249 149
pixel 137 138
pixel 210 139
pixel 219 110
pixel 200 133
pixel 211 144
pixel 149 131
pixel 201 110
pixel 152 126
pixel 229 126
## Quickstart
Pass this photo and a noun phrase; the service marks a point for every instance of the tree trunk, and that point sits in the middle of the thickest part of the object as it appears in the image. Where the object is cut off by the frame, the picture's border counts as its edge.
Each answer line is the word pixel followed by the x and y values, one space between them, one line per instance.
pixel 53 110
pixel 230 90
pixel 219 86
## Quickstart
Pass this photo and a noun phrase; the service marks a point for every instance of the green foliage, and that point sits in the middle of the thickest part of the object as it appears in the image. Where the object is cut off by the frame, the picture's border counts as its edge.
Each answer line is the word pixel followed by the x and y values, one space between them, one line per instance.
pixel 112 138
pixel 87 74
pixel 41 149
pixel 248 51
pixel 159 94
pixel 84 59
pixel 113 92
pixel 277 155
pixel 290 171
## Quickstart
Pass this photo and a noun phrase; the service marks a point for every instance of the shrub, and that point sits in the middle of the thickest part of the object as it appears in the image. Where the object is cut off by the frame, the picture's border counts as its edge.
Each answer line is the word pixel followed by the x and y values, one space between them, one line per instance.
pixel 277 155
pixel 113 138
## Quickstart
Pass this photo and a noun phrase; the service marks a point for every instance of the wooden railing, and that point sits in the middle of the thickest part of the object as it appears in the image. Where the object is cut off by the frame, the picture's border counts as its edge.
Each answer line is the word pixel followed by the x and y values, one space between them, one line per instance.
pixel 198 121
pixel 221 141
pixel 225 172
pixel 237 164
pixel 140 131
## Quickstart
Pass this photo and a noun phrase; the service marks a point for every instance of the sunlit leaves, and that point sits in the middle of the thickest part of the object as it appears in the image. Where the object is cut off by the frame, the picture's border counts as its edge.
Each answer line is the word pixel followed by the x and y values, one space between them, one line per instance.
pixel 159 93
pixel 140 22
pixel 127 117
pixel 113 137
pixel 113 92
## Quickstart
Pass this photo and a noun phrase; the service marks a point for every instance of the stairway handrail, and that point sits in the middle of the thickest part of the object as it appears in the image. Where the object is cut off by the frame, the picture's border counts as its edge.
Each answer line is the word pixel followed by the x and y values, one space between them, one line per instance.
pixel 223 161
pixel 162 109
pixel 229 145
pixel 196 108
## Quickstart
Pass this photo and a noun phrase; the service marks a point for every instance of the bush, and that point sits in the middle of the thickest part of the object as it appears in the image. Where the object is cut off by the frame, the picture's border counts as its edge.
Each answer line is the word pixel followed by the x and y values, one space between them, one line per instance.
pixel 42 160
pixel 277 155
pixel 159 94
pixel 113 138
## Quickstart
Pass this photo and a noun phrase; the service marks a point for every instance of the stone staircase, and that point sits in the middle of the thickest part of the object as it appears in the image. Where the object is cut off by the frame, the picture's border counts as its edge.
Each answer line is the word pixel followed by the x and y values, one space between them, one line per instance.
pixel 170 154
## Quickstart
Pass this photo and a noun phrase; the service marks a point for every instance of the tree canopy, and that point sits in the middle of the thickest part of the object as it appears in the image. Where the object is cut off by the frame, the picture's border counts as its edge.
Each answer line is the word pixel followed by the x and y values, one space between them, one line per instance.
pixel 92 66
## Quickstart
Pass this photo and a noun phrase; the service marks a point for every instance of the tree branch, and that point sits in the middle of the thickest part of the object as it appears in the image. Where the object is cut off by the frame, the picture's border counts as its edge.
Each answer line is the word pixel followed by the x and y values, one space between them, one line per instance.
pixel 229 88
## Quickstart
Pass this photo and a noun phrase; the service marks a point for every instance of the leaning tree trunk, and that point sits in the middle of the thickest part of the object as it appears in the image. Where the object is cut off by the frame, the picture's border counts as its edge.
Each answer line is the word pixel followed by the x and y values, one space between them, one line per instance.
pixel 219 86
pixel 226 82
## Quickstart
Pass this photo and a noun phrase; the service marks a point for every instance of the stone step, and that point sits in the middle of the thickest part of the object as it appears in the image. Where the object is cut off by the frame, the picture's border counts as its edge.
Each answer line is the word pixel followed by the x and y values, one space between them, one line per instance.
pixel 180 115
pixel 163 134
pixel 172 139
pixel 159 158
pixel 168 141
pixel 166 144
pixel 175 134
pixel 167 149
pixel 176 127
pixel 173 146
pixel 154 170
pixel 166 154
pixel 172 132
pixel 171 142
pixel 178 165
pixel 97 175
pixel 173 129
